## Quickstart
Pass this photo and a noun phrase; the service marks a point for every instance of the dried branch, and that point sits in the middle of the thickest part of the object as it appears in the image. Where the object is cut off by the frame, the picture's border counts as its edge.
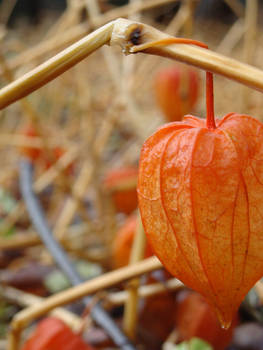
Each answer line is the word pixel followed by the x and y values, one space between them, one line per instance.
pixel 121 32
pixel 24 317
pixel 55 66
pixel 131 305
pixel 21 298
pixel 146 291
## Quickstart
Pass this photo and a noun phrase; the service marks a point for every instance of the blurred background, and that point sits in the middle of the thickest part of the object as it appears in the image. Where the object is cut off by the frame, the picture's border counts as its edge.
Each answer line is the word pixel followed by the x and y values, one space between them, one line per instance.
pixel 82 134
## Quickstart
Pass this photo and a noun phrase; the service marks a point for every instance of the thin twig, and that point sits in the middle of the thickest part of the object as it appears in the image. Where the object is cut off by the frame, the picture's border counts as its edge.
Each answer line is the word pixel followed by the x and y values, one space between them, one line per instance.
pixel 42 182
pixel 21 298
pixel 249 43
pixel 112 63
pixel 232 37
pixel 131 305
pixel 205 59
pixel 149 290
pixel 71 204
pixel 189 23
pixel 6 10
pixel 54 43
pixel 55 66
pixel 128 10
pixel 24 317
pixel 74 33
pixel 236 7
pixel 149 62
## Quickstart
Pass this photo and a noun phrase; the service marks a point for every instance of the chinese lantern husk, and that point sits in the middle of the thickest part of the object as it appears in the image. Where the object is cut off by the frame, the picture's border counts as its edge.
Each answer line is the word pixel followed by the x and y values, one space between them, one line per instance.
pixel 201 201
pixel 176 91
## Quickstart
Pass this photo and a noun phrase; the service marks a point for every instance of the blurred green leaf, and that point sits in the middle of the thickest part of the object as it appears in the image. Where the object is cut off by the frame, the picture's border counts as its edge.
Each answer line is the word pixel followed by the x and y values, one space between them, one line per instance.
pixel 56 281
pixel 193 344
pixel 7 202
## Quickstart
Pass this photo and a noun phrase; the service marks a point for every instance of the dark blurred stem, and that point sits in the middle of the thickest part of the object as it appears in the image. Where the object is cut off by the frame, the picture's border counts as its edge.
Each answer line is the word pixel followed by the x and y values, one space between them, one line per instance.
pixel 98 314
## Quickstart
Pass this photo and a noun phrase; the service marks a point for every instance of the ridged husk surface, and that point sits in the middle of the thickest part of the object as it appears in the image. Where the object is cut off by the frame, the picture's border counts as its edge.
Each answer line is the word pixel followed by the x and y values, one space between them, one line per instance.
pixel 201 201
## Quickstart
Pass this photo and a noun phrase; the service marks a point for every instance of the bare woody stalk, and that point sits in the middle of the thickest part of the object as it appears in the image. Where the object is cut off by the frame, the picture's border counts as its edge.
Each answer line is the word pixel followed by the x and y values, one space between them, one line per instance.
pixel 68 36
pixel 55 66
pixel 122 32
pixel 251 18
pixel 26 299
pixel 144 291
pixel 24 317
pixel 134 37
pixel 131 305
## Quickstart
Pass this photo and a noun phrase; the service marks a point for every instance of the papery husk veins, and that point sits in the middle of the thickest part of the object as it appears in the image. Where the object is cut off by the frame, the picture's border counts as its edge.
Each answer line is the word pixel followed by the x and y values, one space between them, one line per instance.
pixel 201 200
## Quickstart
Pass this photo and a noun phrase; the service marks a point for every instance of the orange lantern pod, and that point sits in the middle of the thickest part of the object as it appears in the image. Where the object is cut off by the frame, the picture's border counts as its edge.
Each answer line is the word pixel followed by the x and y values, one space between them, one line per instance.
pixel 123 241
pixel 122 184
pixel 176 90
pixel 195 318
pixel 31 152
pixel 200 193
pixel 53 334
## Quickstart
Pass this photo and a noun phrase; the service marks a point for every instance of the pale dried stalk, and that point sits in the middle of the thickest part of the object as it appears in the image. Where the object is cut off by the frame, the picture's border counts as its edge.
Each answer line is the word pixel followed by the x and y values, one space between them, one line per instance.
pixel 3 344
pixel 84 178
pixel 189 23
pixel 259 288
pixel 202 58
pixel 74 33
pixel 19 297
pixel 250 29
pixel 19 241
pixel 6 9
pixel 111 61
pixel 69 19
pixel 55 66
pixel 42 182
pixel 128 10
pixel 71 204
pixel 129 64
pixel 125 185
pixel 249 43
pixel 146 291
pixel 12 217
pixel 120 77
pixel 2 32
pixel 54 43
pixel 79 240
pixel 24 317
pixel 131 304
pixel 106 129
pixel 25 104
pixel 28 141
pixel 59 26
pixel 171 341
pixel 148 64
pixel 232 37
pixel 119 32
pixel 236 7
pixel 61 164
pixel 20 141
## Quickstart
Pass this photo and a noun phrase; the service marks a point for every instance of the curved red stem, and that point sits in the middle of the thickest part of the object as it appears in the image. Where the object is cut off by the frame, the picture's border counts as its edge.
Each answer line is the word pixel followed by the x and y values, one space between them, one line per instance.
pixel 210 115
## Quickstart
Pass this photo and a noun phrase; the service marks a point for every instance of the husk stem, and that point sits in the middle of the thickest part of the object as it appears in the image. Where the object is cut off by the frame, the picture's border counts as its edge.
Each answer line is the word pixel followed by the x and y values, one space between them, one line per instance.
pixel 210 114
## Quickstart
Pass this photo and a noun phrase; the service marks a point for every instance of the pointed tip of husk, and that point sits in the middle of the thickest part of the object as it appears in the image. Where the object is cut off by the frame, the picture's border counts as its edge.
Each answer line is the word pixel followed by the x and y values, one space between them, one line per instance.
pixel 224 320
